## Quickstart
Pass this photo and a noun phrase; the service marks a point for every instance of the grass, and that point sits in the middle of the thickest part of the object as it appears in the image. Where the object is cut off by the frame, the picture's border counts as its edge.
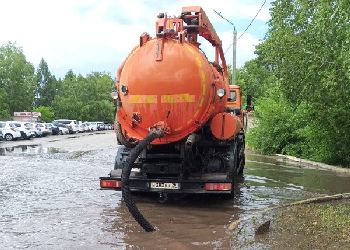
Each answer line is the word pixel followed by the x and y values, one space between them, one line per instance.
pixel 313 226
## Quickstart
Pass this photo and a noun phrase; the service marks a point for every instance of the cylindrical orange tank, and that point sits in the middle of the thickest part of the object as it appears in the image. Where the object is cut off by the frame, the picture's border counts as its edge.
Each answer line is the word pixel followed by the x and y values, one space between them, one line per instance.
pixel 180 90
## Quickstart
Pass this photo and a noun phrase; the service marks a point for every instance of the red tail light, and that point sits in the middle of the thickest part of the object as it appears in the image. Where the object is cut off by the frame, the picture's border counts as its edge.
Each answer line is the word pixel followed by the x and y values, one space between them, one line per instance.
pixel 110 184
pixel 218 186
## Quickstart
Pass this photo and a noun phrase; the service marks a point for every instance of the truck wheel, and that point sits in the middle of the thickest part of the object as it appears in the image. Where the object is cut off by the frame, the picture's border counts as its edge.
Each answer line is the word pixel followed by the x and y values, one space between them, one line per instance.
pixel 122 154
pixel 241 162
pixel 8 137
pixel 233 170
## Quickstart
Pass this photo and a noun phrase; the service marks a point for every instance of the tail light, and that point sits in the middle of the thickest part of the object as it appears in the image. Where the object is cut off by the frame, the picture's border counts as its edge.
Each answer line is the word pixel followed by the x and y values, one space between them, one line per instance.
pixel 110 184
pixel 218 186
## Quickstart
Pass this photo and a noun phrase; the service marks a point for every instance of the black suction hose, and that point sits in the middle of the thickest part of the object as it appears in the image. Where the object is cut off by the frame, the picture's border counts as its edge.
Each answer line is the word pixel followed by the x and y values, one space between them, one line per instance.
pixel 127 165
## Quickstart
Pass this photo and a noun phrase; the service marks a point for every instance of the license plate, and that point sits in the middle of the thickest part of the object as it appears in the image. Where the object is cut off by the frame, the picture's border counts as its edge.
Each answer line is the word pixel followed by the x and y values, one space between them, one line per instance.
pixel 165 185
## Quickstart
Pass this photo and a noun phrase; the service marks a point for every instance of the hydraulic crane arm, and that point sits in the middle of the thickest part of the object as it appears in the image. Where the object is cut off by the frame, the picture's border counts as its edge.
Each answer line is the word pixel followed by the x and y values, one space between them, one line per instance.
pixel 192 22
pixel 198 24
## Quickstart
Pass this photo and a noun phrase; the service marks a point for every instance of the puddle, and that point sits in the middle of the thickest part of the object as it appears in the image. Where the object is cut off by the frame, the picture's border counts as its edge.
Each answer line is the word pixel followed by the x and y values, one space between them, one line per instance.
pixel 35 149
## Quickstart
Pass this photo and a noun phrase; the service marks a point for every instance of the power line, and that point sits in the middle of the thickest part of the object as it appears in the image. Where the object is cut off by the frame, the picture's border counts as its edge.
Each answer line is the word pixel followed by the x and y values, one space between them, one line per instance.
pixel 229 47
pixel 220 15
pixel 252 20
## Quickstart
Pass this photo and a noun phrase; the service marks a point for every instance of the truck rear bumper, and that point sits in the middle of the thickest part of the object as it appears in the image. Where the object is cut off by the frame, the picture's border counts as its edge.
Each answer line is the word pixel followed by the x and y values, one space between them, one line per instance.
pixel 218 185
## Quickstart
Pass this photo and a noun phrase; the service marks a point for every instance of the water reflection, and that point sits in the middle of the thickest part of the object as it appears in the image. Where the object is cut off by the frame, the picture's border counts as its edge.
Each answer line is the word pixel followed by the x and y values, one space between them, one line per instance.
pixel 34 149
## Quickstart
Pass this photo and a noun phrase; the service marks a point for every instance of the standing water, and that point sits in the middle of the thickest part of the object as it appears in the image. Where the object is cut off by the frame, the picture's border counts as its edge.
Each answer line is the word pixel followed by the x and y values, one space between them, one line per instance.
pixel 50 199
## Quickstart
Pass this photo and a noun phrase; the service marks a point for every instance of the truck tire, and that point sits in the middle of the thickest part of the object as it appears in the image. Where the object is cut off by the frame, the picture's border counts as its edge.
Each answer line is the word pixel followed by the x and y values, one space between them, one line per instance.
pixel 122 154
pixel 233 169
pixel 8 137
pixel 241 154
pixel 241 162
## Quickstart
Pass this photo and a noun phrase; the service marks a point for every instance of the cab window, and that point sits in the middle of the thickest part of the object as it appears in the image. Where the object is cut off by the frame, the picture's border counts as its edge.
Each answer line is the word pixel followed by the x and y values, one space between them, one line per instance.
pixel 232 97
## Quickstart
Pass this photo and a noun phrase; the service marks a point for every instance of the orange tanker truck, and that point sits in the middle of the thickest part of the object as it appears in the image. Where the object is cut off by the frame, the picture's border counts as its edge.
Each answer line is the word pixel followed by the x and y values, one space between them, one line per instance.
pixel 178 121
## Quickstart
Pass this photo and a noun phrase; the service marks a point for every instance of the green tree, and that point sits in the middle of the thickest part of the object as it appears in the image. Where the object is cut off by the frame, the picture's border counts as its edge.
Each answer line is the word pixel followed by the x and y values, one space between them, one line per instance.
pixel 4 107
pixel 16 78
pixel 85 98
pixel 47 114
pixel 47 85
pixel 307 49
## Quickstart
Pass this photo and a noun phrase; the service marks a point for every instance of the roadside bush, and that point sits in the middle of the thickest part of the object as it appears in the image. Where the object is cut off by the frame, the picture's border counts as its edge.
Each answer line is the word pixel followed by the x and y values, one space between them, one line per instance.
pixel 275 130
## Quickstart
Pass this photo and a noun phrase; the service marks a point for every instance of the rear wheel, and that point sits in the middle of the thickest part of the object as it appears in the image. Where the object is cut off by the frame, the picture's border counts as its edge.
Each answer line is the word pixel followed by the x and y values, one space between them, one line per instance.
pixel 241 156
pixel 233 169
pixel 8 137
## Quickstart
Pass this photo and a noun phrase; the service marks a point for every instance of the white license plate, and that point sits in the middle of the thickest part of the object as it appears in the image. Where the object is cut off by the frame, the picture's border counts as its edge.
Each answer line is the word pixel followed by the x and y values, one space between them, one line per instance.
pixel 165 185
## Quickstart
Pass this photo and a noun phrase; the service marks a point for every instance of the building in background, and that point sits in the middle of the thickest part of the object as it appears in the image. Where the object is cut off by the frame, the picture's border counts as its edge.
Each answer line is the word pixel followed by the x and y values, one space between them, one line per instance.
pixel 26 116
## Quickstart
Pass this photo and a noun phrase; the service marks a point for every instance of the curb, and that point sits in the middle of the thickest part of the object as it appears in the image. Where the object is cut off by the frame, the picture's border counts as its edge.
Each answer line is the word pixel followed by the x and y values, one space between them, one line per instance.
pixel 308 163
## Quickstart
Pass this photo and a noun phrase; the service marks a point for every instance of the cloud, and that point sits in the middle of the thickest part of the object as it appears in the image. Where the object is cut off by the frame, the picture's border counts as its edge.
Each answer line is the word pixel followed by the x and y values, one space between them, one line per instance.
pixel 88 35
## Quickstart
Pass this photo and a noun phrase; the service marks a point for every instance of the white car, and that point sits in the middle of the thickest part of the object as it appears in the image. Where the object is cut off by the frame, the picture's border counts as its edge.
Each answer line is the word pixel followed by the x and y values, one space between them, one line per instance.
pixel 9 131
pixel 72 125
pixel 93 126
pixel 36 132
pixel 62 129
pixel 24 129
pixel 86 126
pixel 44 128
pixel 81 127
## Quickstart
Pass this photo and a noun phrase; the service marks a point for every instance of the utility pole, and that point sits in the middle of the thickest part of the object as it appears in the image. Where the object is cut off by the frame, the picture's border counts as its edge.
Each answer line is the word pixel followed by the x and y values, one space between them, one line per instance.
pixel 234 43
pixel 234 56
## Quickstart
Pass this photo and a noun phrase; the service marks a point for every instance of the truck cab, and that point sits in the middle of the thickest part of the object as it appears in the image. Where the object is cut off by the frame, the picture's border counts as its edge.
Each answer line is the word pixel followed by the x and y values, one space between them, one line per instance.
pixel 234 102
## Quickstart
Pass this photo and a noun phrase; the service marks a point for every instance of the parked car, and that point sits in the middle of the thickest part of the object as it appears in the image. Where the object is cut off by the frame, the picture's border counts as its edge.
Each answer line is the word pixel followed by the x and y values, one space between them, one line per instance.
pixel 80 127
pixel 9 131
pixel 109 126
pixel 24 130
pixel 100 126
pixel 36 132
pixel 72 125
pixel 55 129
pixel 60 128
pixel 86 126
pixel 63 129
pixel 93 126
pixel 45 128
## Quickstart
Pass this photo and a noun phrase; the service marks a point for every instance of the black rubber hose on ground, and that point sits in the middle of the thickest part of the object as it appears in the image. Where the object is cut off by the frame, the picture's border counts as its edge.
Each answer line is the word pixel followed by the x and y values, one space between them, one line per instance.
pixel 127 165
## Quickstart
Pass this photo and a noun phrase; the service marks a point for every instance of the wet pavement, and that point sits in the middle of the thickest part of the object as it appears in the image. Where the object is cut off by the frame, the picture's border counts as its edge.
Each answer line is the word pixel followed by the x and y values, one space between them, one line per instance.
pixel 50 199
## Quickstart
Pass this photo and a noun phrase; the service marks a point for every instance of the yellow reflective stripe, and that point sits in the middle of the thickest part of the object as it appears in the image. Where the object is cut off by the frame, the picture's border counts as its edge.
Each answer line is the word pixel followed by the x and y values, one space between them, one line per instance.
pixel 177 98
pixel 142 99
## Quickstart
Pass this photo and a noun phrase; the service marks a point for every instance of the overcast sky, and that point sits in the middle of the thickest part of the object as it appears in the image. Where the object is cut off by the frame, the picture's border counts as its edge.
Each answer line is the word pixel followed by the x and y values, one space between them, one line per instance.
pixel 96 35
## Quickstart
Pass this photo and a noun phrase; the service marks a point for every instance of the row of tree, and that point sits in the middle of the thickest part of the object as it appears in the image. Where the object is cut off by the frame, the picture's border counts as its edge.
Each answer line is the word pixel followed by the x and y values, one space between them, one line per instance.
pixel 301 81
pixel 24 88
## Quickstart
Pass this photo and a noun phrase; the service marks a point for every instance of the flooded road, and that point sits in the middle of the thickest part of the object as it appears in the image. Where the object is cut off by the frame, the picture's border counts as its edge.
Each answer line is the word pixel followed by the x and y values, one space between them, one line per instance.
pixel 50 199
